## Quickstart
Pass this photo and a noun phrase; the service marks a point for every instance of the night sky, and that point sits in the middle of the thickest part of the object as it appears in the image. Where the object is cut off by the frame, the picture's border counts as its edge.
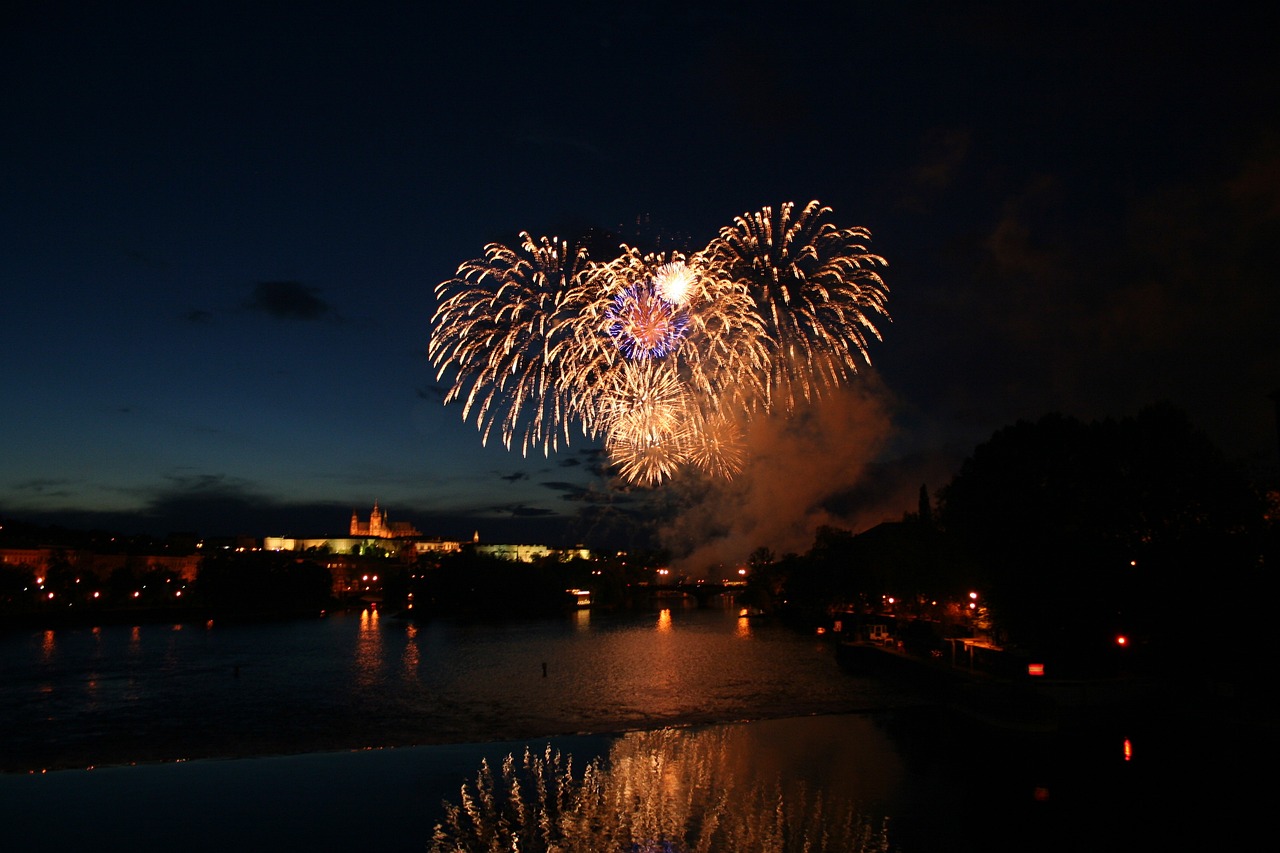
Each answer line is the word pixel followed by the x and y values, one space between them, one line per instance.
pixel 222 225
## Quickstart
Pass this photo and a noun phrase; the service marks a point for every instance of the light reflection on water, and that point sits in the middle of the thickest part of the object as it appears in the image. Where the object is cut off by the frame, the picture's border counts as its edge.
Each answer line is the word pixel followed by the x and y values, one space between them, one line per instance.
pixel 367 663
pixel 411 659
pixel 76 697
pixel 80 697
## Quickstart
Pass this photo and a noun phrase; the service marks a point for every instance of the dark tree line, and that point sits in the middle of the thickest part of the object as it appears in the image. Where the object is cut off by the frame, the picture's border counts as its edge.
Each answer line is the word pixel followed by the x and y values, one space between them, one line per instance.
pixel 1083 530
pixel 1073 533
pixel 473 584
pixel 262 581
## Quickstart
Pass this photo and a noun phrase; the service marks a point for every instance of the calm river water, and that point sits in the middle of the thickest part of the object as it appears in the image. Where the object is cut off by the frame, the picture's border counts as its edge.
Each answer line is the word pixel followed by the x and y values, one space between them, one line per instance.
pixel 275 736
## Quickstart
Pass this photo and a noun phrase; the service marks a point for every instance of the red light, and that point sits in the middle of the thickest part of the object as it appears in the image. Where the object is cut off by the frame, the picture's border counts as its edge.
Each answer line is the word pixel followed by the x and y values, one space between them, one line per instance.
pixel 1128 750
pixel 1122 640
pixel 1036 669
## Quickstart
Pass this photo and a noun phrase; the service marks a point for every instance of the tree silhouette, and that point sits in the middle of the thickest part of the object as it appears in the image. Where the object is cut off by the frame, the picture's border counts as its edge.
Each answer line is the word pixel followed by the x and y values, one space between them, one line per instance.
pixel 1079 530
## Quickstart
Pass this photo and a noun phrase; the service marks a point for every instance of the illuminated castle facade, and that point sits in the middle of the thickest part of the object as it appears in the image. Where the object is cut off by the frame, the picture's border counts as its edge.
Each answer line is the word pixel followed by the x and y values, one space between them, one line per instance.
pixel 379 527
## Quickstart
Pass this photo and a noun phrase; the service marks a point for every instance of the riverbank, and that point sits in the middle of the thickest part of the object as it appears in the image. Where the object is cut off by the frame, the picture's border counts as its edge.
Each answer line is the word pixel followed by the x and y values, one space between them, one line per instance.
pixel 1031 704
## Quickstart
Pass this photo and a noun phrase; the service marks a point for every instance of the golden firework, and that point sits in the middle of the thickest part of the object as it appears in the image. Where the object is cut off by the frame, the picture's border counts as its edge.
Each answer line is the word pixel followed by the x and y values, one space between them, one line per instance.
pixel 665 357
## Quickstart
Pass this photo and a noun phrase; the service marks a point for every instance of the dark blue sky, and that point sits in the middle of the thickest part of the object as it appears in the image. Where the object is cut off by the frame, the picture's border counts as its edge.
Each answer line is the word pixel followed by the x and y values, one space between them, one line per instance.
pixel 222 224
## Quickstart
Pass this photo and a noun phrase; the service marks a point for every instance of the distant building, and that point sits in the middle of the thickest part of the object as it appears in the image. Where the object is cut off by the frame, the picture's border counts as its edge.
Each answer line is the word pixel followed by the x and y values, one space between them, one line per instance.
pixel 517 553
pixel 380 527
pixel 529 553
pixel 364 545
pixel 379 537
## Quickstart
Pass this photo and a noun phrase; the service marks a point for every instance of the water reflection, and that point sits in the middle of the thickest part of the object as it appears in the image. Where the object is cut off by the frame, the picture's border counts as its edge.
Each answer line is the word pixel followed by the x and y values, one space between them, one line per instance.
pixel 368 654
pixel 671 790
pixel 361 678
pixel 410 658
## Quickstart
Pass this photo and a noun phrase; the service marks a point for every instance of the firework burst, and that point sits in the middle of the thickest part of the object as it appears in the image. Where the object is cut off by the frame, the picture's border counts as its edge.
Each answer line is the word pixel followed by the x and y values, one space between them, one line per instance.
pixel 817 289
pixel 646 410
pixel 644 324
pixel 498 324
pixel 665 357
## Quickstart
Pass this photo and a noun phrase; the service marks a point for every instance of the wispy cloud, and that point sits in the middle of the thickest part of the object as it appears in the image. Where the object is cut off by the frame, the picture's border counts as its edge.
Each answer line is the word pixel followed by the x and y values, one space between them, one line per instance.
pixel 287 300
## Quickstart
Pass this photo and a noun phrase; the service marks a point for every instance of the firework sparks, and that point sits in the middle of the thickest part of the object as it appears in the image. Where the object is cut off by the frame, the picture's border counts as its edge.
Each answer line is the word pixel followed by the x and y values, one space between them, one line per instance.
pixel 496 325
pixel 817 289
pixel 647 413
pixel 644 324
pixel 674 282
pixel 665 357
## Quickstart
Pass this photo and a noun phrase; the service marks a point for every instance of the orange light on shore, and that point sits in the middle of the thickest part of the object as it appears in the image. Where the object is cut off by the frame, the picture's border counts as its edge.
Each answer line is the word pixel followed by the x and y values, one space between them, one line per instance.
pixel 1128 750
pixel 1122 640
pixel 1035 669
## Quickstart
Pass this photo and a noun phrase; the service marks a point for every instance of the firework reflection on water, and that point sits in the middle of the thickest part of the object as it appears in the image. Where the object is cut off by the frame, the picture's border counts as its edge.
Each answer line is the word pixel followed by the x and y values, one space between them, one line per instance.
pixel 671 790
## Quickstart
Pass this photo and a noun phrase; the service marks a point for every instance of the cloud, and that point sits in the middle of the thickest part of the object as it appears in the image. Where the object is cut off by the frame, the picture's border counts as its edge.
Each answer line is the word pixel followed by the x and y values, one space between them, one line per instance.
pixel 571 490
pixel 514 477
pixel 522 511
pixel 587 493
pixel 45 487
pixel 208 504
pixel 287 300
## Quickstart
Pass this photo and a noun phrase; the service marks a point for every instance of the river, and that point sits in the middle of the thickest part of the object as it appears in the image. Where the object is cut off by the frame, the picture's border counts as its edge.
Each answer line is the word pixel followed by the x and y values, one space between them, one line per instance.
pixel 351 729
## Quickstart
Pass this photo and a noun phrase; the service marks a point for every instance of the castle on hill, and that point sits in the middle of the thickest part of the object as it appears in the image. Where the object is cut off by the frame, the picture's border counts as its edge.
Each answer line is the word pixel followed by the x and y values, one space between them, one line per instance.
pixel 380 527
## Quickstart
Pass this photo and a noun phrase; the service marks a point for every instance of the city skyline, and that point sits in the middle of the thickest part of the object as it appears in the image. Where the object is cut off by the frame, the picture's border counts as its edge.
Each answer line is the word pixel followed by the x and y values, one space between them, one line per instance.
pixel 223 229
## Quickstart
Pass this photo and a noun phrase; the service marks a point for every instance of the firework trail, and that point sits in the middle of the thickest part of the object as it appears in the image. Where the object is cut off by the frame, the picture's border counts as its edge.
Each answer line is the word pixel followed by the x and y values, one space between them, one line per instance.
pixel 664 357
